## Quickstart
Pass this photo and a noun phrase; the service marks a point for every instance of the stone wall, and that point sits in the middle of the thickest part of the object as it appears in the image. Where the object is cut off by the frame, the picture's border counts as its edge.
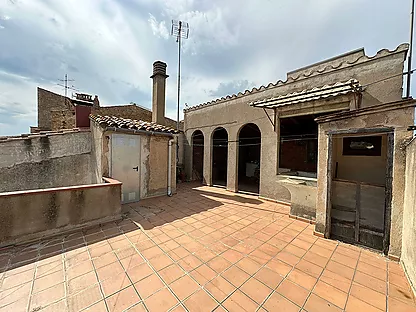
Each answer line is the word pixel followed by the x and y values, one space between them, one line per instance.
pixel 27 215
pixel 47 102
pixel 409 216
pixel 62 119
pixel 46 160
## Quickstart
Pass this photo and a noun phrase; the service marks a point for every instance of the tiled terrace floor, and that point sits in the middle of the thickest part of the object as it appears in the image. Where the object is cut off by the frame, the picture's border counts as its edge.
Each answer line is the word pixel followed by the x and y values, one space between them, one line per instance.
pixel 204 249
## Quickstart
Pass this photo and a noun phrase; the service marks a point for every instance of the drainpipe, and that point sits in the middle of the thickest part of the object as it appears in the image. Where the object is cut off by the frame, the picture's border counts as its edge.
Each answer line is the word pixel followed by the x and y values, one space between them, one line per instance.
pixel 170 168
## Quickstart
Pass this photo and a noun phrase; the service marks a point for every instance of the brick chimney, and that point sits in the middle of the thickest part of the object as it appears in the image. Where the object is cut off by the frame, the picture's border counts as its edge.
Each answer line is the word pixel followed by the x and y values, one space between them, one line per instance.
pixel 159 92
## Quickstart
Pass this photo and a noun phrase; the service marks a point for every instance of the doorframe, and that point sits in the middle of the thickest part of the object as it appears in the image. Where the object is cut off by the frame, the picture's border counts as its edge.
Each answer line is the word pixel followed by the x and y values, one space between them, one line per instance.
pixel 389 176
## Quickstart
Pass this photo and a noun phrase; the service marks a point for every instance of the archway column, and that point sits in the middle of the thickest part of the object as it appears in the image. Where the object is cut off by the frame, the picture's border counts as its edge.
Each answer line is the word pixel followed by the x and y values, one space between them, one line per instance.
pixel 207 171
pixel 232 163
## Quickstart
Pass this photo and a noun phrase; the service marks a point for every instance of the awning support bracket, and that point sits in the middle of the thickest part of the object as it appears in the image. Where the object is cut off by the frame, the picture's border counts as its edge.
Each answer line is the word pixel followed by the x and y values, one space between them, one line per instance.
pixel 268 116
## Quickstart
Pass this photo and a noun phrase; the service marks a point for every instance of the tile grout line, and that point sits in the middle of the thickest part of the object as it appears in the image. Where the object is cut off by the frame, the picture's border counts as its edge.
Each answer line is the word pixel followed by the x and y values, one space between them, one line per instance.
pixel 66 280
pixel 33 280
pixel 387 286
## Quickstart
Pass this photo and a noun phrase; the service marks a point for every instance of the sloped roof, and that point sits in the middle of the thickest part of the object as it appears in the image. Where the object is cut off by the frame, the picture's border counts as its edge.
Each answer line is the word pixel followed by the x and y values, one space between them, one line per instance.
pixel 295 76
pixel 132 124
pixel 338 88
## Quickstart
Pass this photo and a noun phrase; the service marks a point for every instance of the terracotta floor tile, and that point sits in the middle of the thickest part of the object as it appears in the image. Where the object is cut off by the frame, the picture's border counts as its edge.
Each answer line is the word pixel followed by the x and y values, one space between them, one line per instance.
pixel 81 282
pixel 85 298
pixel 395 305
pixel 160 262
pixel 373 259
pixel 255 290
pixel 218 264
pixel 301 243
pixel 152 252
pixel 238 301
pixel 163 300
pixel 205 254
pixel 109 270
pixel 294 250
pixel 372 270
pixel 203 274
pixel 268 277
pixel 219 288
pixel 148 286
pixel 104 260
pixel 58 307
pixel 184 287
pixel 127 252
pixel 16 293
pixel 302 279
pixel 293 292
pixel 18 279
pixel 171 273
pixel 235 276
pixel 178 253
pixel 115 283
pixel 19 305
pixel 279 267
pixel 138 308
pixel 321 251
pixel 317 304
pixel 49 268
pixel 76 259
pixel 80 269
pixel 330 294
pixel 309 268
pixel 232 256
pixel 399 280
pixel 336 281
pixel 200 302
pixel 46 297
pixel 277 302
pixel 248 265
pixel 370 282
pixel 189 263
pixel 269 249
pixel 354 304
pixel 369 296
pixel 139 272
pixel 340 269
pixel 345 260
pixel 47 281
pixel 316 259
pixel 131 261
pixel 122 300
pixel 403 294
pixel 288 258
pixel 100 251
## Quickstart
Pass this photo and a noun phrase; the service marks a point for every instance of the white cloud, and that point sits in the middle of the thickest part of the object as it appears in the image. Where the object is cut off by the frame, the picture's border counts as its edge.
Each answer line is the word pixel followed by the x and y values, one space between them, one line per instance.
pixel 108 46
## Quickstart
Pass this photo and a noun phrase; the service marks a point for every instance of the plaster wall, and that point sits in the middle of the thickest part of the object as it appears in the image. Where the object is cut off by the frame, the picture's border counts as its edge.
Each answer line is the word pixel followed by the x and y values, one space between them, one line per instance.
pixel 396 119
pixel 26 215
pixel 44 161
pixel 409 216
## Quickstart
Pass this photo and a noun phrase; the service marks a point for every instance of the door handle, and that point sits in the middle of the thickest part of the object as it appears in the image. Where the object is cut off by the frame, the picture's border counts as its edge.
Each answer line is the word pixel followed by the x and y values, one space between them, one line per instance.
pixel 136 168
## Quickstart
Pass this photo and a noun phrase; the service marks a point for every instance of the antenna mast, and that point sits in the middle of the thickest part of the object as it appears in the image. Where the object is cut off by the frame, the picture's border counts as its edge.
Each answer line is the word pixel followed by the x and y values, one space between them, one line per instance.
pixel 409 61
pixel 65 85
pixel 181 31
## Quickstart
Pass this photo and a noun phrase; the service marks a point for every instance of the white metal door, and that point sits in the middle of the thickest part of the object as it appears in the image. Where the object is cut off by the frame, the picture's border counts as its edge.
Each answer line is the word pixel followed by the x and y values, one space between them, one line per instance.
pixel 125 165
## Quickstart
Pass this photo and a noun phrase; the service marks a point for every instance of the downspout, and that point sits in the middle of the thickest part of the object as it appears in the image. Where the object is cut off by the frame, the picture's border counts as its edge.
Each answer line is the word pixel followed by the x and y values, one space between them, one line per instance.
pixel 170 168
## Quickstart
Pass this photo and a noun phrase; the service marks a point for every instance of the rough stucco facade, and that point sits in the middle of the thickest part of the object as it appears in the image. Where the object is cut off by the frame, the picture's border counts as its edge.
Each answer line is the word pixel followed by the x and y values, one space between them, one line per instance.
pixel 409 216
pixel 47 160
pixel 380 81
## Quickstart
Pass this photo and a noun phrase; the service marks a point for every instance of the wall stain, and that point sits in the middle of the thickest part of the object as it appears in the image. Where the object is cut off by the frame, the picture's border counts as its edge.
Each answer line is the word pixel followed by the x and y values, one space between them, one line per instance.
pixel 51 212
pixel 6 220
pixel 77 204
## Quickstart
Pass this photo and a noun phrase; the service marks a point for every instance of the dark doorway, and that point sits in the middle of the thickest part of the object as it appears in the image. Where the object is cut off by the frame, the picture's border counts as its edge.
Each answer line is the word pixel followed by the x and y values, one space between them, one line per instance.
pixel 197 156
pixel 219 157
pixel 249 146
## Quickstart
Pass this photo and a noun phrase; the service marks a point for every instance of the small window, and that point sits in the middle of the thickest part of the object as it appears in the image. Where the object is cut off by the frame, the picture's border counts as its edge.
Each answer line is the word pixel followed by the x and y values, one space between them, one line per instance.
pixel 362 146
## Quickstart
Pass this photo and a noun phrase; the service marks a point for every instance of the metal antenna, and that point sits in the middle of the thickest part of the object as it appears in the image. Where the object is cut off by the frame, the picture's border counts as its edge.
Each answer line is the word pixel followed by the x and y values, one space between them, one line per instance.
pixel 409 61
pixel 65 85
pixel 181 31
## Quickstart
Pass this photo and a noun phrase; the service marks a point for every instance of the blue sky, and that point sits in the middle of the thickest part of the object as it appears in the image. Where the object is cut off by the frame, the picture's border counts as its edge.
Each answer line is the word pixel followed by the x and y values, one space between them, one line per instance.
pixel 108 46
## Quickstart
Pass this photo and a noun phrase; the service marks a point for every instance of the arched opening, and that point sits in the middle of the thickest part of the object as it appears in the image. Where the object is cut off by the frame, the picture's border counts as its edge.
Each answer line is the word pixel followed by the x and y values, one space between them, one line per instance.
pixel 219 157
pixel 198 156
pixel 249 146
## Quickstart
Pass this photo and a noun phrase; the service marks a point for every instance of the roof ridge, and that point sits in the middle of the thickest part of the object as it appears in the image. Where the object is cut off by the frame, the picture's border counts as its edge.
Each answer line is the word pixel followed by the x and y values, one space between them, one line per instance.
pixel 381 53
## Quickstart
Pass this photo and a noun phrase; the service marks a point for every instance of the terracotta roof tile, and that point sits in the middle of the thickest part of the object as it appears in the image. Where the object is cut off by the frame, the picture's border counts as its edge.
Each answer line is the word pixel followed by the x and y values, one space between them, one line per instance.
pixel 124 123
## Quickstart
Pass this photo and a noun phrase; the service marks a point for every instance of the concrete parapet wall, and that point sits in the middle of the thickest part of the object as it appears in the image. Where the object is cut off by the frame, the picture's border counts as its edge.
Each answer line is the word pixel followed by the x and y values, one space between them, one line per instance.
pixel 27 215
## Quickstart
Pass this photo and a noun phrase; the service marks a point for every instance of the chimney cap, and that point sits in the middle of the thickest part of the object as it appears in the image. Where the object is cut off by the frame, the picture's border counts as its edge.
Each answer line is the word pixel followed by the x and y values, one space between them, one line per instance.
pixel 159 68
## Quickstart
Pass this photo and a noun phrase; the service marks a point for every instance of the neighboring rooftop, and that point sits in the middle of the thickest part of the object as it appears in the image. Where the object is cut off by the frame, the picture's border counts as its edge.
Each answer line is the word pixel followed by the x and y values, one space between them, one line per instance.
pixel 132 124
pixel 335 63
pixel 40 134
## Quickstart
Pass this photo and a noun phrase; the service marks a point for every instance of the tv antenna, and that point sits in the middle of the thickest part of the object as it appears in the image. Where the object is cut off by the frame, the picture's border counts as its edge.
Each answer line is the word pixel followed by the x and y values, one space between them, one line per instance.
pixel 65 85
pixel 180 30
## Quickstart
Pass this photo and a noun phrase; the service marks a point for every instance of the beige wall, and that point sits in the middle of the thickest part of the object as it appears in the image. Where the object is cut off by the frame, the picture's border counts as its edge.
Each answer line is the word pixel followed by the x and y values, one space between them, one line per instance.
pixel 398 119
pixel 46 160
pixel 27 215
pixel 370 169
pixel 234 112
pixel 409 216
